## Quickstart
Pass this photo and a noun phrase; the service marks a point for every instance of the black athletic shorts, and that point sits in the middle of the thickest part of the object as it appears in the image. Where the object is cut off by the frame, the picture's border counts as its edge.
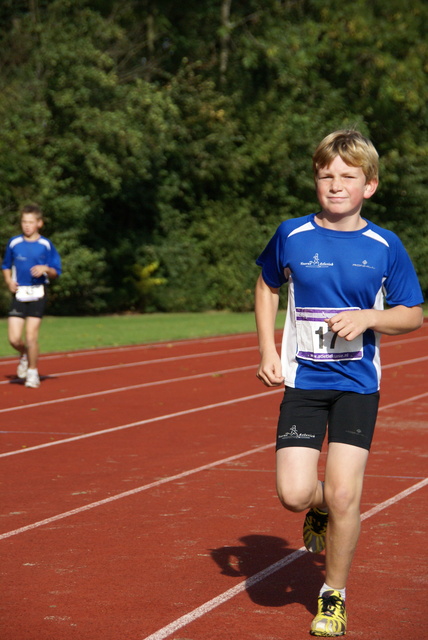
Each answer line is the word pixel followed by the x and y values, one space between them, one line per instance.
pixel 33 309
pixel 305 415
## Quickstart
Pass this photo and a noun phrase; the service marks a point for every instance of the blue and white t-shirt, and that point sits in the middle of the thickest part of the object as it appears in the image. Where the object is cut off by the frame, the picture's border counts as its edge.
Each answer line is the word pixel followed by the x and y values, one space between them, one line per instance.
pixel 329 271
pixel 22 254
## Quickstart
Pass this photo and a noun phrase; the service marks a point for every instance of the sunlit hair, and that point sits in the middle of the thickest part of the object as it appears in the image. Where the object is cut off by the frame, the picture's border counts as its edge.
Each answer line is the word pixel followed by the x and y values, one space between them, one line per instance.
pixel 355 150
pixel 34 209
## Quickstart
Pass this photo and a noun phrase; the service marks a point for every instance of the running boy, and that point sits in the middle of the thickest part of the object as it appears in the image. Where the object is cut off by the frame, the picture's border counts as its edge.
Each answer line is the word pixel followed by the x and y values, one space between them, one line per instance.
pixel 338 266
pixel 29 262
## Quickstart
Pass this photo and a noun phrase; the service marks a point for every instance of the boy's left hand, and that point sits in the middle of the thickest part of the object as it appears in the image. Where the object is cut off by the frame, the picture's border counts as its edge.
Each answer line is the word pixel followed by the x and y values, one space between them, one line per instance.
pixel 349 324
pixel 38 270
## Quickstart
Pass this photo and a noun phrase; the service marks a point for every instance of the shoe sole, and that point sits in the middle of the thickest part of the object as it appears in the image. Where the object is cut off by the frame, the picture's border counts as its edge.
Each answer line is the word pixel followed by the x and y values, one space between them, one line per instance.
pixel 327 635
pixel 316 545
pixel 314 542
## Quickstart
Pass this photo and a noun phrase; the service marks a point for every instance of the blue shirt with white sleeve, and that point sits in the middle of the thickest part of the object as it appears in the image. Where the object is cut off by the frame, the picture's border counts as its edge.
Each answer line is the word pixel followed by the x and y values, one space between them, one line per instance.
pixel 21 255
pixel 330 271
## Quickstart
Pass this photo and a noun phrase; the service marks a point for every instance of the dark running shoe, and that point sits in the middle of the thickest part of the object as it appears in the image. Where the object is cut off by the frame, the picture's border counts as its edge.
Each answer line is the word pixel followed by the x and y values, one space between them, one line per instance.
pixel 330 620
pixel 314 529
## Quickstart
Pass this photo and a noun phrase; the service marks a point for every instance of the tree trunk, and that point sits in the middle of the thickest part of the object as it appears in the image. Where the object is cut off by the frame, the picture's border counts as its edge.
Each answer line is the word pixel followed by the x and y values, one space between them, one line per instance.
pixel 226 28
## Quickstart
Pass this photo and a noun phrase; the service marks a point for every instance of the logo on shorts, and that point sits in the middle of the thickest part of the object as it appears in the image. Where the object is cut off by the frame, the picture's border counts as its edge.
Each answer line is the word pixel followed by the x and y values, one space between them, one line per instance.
pixel 357 432
pixel 293 433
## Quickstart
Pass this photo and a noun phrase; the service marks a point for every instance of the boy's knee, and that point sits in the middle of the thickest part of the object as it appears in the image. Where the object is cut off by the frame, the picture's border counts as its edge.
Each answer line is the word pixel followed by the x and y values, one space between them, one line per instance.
pixel 31 341
pixel 15 342
pixel 295 501
pixel 341 499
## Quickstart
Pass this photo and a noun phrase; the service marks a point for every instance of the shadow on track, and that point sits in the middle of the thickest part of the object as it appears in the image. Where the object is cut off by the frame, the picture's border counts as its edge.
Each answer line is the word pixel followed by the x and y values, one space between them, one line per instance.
pixel 298 581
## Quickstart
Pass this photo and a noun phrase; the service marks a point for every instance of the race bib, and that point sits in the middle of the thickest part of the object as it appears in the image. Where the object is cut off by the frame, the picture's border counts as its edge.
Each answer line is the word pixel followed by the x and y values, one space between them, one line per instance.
pixel 30 293
pixel 316 342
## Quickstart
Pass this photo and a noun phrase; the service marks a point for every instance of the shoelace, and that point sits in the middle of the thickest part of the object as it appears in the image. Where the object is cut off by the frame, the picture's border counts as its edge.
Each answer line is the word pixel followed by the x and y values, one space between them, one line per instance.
pixel 329 604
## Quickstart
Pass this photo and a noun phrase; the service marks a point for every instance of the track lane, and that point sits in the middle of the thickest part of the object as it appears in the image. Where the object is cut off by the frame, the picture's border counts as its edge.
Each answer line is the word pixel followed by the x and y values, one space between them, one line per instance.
pixel 83 590
pixel 184 538
pixel 81 472
pixel 149 442
pixel 9 422
pixel 97 363
pixel 112 470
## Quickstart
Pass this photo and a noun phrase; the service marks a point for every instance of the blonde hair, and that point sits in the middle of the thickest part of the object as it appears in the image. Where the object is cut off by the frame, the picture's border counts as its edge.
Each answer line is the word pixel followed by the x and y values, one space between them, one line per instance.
pixel 355 150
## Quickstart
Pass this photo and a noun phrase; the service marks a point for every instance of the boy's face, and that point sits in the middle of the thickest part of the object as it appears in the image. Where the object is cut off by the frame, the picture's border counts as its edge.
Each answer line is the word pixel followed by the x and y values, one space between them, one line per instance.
pixel 30 224
pixel 341 188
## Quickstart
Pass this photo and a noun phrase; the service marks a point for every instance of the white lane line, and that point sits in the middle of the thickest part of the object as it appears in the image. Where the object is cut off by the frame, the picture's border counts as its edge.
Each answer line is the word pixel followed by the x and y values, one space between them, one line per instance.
pixel 403 362
pixel 388 503
pixel 142 363
pixel 177 414
pixel 184 474
pixel 163 633
pixel 172 358
pixel 225 596
pixel 157 482
pixel 148 346
pixel 396 404
pixel 153 383
pixel 22 407
pixel 167 416
pixel 133 492
pixel 7 360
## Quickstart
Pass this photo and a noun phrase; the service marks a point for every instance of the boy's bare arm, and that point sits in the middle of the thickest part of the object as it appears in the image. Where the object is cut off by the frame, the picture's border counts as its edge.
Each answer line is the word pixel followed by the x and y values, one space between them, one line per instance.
pixel 394 321
pixel 11 284
pixel 42 269
pixel 266 307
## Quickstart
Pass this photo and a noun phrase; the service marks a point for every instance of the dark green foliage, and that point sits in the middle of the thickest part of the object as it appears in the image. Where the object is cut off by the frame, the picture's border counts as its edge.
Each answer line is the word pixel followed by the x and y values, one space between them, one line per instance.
pixel 165 141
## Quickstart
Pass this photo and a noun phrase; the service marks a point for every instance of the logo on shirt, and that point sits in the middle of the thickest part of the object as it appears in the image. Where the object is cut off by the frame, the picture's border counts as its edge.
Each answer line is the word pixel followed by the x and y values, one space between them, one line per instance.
pixel 315 263
pixel 363 264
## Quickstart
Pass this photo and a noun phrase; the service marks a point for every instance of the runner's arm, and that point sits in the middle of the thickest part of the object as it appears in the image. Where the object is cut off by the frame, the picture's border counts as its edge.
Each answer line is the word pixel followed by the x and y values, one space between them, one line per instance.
pixel 11 284
pixel 266 307
pixel 392 322
pixel 42 269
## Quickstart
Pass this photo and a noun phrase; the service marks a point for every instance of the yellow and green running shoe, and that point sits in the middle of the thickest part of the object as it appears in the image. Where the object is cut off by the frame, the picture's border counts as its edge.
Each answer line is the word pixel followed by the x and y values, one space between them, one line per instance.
pixel 314 529
pixel 330 620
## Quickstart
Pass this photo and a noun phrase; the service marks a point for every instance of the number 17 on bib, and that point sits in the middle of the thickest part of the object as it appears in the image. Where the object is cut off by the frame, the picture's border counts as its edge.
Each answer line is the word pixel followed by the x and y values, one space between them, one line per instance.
pixel 316 342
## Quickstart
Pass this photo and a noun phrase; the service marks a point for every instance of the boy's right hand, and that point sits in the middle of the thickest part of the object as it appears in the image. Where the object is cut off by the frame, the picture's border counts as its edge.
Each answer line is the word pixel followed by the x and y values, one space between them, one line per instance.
pixel 270 371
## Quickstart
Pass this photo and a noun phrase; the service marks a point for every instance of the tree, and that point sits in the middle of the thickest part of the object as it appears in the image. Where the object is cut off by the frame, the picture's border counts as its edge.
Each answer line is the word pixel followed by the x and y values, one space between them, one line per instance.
pixel 181 135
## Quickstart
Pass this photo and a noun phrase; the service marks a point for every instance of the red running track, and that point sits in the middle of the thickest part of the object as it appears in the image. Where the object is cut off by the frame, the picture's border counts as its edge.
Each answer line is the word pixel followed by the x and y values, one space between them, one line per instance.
pixel 139 500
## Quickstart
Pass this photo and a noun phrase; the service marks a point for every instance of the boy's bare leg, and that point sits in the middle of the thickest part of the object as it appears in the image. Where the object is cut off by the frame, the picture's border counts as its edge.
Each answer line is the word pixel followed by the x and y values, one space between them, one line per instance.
pixel 297 481
pixel 32 339
pixel 299 489
pixel 343 487
pixel 15 327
